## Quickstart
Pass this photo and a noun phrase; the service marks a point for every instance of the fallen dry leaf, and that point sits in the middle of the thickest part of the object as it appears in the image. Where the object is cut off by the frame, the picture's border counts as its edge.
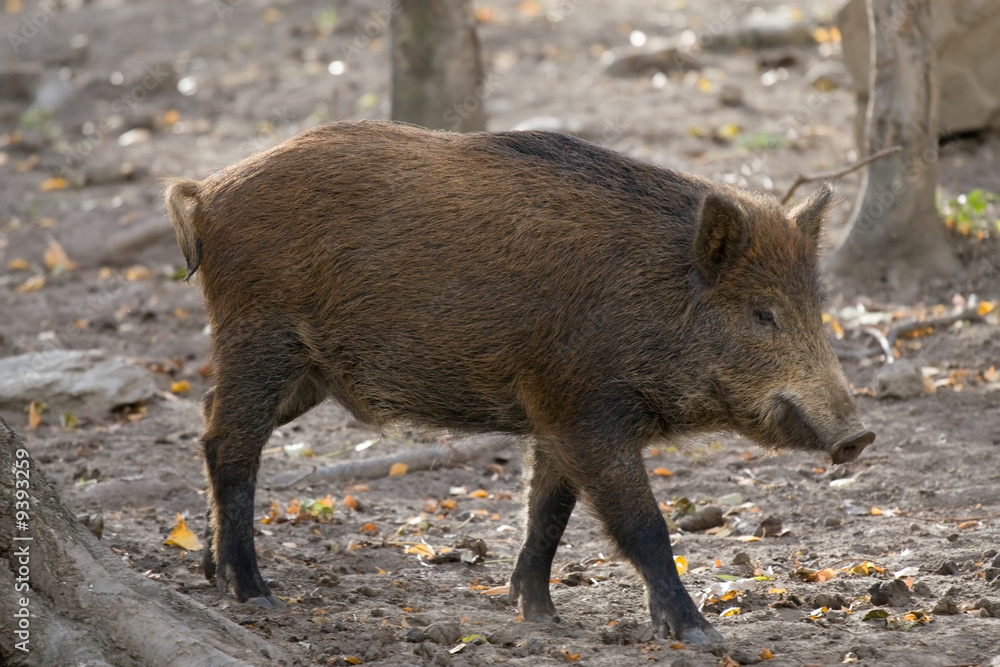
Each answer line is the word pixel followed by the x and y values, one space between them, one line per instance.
pixel 54 183
pixel 479 493
pixel 766 654
pixel 56 259
pixel 34 415
pixel 182 537
pixel 137 272
pixel 32 284
pixel 398 469
pixel 662 472
pixel 681 563
pixel 369 529
pixel 180 387
pixel 351 502
pixel 18 264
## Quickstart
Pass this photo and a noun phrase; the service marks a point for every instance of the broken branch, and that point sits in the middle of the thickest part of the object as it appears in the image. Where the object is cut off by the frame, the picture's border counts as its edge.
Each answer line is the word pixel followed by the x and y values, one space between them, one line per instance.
pixel 830 175
pixel 418 458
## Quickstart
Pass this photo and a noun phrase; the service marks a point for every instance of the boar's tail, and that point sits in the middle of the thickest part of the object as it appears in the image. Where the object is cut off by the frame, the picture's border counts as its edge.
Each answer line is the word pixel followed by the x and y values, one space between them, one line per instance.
pixel 178 191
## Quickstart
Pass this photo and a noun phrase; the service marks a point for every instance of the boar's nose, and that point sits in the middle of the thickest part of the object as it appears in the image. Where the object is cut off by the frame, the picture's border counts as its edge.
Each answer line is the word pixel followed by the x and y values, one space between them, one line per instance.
pixel 849 448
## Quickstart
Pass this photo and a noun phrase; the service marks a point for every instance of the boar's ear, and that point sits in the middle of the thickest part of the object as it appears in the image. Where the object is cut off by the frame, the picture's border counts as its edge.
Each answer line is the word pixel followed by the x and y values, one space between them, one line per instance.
pixel 810 214
pixel 721 237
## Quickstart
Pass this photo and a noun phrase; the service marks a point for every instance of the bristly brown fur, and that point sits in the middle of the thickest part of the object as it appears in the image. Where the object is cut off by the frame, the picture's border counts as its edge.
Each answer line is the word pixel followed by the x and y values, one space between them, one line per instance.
pixel 521 282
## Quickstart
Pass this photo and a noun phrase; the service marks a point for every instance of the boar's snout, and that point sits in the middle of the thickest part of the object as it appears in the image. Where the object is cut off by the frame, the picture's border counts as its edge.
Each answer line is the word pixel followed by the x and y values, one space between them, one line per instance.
pixel 849 448
pixel 843 436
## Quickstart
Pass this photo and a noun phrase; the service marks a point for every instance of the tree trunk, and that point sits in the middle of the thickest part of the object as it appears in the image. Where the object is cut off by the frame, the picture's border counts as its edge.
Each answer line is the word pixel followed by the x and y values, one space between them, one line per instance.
pixel 437 74
pixel 896 241
pixel 67 600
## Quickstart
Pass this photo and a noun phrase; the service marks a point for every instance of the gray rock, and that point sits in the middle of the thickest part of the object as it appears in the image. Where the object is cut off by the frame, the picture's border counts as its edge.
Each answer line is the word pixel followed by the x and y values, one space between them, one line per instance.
pixel 893 593
pixel 945 607
pixel 84 382
pixel 18 81
pixel 899 380
pixel 769 527
pixel 444 633
pixel 657 56
pixel 702 519
pixel 731 95
pixel 965 35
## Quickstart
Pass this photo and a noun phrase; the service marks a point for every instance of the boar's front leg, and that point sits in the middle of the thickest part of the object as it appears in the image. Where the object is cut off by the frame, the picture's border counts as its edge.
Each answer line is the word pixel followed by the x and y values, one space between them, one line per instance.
pixel 551 498
pixel 616 485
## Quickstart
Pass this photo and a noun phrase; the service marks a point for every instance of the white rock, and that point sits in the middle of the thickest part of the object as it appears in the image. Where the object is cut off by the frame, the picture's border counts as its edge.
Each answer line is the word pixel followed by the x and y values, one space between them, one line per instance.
pixel 84 382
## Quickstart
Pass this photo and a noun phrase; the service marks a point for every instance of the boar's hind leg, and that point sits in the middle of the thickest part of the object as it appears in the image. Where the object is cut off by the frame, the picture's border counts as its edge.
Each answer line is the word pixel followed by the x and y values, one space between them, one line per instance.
pixel 550 502
pixel 296 403
pixel 259 383
pixel 618 490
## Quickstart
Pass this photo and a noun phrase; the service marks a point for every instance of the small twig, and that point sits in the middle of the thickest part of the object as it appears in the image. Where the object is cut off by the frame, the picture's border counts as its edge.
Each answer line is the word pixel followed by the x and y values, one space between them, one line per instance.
pixel 971 314
pixel 292 482
pixel 830 175
pixel 882 341
pixel 949 519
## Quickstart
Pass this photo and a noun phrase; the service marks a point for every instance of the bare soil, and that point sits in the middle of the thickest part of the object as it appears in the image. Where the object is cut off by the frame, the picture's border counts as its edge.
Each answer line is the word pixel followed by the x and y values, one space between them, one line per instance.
pixel 926 495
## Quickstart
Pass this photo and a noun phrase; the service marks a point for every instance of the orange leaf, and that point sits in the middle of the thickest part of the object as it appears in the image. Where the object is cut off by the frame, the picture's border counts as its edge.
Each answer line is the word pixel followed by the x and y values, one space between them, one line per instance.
pixel 398 469
pixel 479 493
pixel 571 657
pixel 448 504
pixel 497 590
pixel 180 387
pixel 55 183
pixel 18 264
pixel 662 472
pixel 272 516
pixel 34 415
pixel 182 537
pixel 718 563
pixel 351 502
pixel 677 646
pixel 823 575
pixel 766 654
pixel 986 307
pixel 876 511
pixel 56 257
pixel 32 284
pixel 369 528
pixel 137 272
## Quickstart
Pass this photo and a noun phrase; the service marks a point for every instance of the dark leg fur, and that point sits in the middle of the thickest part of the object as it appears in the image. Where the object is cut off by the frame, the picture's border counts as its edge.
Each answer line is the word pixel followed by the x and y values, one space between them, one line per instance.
pixel 620 494
pixel 258 387
pixel 550 502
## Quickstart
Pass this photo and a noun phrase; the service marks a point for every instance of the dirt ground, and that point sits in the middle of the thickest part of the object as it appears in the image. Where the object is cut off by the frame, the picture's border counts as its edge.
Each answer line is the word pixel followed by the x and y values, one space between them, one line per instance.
pixel 146 89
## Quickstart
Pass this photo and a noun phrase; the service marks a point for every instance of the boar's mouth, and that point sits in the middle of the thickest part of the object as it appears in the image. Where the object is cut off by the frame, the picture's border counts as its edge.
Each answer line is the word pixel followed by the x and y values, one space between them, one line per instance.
pixel 798 433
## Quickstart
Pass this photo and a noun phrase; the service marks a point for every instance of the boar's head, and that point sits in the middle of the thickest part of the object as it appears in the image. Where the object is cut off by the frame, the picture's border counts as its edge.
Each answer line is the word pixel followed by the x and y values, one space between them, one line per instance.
pixel 771 367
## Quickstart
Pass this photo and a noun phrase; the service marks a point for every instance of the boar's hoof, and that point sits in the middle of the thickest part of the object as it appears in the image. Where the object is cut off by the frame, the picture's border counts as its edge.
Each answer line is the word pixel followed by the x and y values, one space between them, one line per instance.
pixel 704 635
pixel 849 449
pixel 269 602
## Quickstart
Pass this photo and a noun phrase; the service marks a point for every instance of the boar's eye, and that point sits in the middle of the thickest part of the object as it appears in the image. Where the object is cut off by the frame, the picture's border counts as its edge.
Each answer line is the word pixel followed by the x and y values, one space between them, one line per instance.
pixel 764 316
